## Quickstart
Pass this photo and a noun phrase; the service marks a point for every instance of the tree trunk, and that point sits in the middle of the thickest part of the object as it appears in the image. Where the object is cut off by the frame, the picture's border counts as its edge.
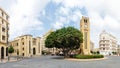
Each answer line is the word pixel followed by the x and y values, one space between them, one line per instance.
pixel 65 51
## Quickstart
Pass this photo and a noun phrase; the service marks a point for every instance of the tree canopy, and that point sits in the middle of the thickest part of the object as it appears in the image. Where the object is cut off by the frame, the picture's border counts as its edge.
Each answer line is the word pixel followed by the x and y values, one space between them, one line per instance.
pixel 67 38
pixel 11 49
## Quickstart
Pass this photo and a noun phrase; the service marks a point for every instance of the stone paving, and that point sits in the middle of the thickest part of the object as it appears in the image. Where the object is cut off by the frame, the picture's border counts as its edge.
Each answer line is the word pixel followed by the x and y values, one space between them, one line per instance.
pixel 12 59
pixel 59 62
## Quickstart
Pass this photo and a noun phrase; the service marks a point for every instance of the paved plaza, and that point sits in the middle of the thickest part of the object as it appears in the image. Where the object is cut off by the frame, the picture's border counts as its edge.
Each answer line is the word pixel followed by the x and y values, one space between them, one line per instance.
pixel 59 62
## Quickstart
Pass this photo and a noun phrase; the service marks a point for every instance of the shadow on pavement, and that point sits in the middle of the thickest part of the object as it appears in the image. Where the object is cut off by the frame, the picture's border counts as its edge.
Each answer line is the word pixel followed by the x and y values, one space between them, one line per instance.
pixel 57 57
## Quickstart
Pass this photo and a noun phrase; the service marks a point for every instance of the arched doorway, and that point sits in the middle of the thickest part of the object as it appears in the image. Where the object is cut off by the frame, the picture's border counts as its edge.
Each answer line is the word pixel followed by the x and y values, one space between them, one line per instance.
pixel 34 51
pixel 7 51
pixel 17 52
pixel 2 53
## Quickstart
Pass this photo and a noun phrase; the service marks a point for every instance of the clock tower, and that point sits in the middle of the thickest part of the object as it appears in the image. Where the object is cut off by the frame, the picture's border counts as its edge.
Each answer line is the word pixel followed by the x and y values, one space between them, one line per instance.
pixel 85 29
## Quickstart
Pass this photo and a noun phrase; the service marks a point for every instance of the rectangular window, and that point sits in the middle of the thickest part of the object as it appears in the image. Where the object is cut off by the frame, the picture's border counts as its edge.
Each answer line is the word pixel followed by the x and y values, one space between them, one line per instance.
pixel 23 49
pixel 22 54
pixel 17 52
pixel 2 14
pixel 85 20
pixel 3 29
pixel 103 48
pixel 23 43
pixel 3 37
pixel 103 44
pixel 17 44
pixel 7 17
pixel 34 42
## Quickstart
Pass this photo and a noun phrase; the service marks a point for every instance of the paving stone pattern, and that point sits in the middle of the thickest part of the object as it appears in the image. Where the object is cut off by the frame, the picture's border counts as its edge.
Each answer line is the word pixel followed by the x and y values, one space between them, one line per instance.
pixel 59 62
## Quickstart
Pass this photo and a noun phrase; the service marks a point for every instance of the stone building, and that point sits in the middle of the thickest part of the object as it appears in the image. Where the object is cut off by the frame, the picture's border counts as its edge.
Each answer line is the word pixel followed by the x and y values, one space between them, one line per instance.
pixel 4 35
pixel 26 46
pixel 95 50
pixel 45 49
pixel 91 46
pixel 107 43
pixel 43 41
pixel 85 29
pixel 118 50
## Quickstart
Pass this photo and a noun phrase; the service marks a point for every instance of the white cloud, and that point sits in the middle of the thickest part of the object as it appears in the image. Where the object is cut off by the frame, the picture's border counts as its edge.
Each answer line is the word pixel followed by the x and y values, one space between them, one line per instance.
pixel 75 17
pixel 73 3
pixel 4 4
pixel 64 15
pixel 23 16
pixel 57 1
pixel 43 13
pixel 58 25
pixel 64 11
pixel 111 22
pixel 60 22
pixel 113 8
pixel 103 14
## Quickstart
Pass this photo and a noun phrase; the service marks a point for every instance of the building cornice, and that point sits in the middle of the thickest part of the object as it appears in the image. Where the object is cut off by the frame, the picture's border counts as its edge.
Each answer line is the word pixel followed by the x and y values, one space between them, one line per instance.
pixel 4 20
pixel 4 12
pixel 2 42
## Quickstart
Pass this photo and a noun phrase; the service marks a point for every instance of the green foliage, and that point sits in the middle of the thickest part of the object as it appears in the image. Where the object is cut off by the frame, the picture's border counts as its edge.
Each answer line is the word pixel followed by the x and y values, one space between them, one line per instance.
pixel 11 49
pixel 50 40
pixel 98 52
pixel 88 56
pixel 67 38
pixel 114 53
pixel 93 52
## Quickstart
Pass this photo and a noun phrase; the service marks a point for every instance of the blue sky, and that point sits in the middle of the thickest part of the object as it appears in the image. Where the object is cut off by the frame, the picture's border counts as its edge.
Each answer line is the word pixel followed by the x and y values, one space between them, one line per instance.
pixel 36 17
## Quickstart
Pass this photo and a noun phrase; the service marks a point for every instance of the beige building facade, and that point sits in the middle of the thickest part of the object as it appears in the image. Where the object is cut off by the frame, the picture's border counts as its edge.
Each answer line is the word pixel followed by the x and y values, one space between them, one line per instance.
pixel 96 50
pixel 51 50
pixel 43 41
pixel 85 29
pixel 91 46
pixel 4 35
pixel 107 43
pixel 118 49
pixel 26 46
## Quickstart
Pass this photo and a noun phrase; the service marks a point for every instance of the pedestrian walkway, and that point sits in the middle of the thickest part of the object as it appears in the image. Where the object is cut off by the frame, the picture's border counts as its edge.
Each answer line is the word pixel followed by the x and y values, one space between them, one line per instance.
pixel 10 60
pixel 3 61
pixel 60 62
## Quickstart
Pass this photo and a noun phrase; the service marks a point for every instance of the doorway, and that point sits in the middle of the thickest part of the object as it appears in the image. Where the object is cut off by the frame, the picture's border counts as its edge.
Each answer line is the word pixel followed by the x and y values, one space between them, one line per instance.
pixel 2 53
pixel 34 51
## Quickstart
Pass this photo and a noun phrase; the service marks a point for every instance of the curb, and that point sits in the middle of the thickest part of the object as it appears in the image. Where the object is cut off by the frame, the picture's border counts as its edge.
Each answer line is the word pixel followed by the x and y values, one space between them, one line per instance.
pixel 71 59
pixel 10 61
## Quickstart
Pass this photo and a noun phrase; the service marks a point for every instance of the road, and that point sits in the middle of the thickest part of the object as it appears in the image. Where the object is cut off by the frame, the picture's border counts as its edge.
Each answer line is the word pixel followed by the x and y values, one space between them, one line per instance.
pixel 58 62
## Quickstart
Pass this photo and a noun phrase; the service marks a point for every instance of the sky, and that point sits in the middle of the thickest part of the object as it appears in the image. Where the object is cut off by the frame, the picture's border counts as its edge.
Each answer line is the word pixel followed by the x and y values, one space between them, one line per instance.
pixel 36 17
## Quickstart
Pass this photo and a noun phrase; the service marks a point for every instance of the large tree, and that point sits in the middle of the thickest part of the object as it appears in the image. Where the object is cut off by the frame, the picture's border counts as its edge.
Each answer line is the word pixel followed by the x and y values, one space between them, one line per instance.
pixel 11 49
pixel 67 38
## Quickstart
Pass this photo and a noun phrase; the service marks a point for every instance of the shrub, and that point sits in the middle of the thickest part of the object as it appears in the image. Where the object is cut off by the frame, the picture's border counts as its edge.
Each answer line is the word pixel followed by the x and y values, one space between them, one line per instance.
pixel 88 56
